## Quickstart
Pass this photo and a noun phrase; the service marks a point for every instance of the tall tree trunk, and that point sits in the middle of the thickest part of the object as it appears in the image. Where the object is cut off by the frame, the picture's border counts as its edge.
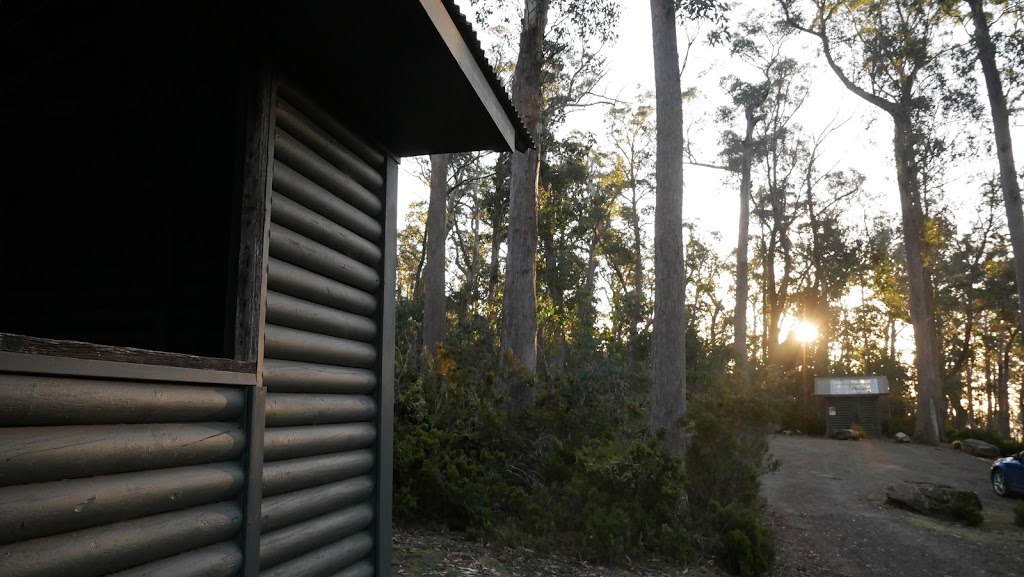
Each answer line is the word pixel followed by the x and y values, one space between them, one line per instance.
pixel 434 324
pixel 417 286
pixel 668 358
pixel 637 301
pixel 989 408
pixel 473 278
pixel 970 391
pixel 519 309
pixel 595 235
pixel 1004 146
pixel 1003 390
pixel 742 252
pixel 927 358
pixel 494 269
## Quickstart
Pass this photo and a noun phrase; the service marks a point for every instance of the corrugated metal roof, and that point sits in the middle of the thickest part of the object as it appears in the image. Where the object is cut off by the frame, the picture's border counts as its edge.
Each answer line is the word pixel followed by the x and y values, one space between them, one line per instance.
pixel 523 137
pixel 851 385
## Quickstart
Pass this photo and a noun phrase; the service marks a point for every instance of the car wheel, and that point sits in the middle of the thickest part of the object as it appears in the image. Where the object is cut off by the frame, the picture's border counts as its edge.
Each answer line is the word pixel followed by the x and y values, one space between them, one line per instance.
pixel 999 483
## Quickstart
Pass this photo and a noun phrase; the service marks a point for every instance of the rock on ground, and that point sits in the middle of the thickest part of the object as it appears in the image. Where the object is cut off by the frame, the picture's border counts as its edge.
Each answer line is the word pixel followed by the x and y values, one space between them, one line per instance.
pixel 902 438
pixel 979 448
pixel 845 435
pixel 935 500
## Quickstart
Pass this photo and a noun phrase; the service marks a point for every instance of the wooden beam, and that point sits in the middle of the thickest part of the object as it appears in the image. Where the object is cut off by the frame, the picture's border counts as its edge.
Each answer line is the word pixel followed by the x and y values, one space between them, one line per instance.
pixel 254 217
pixel 251 293
pixel 24 346
pixel 385 393
pixel 37 364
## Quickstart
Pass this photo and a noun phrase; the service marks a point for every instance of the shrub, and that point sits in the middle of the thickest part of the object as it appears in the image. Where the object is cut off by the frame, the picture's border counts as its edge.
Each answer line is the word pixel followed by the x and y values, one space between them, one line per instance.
pixel 728 448
pixel 747 545
pixel 1018 514
pixel 1006 446
pixel 580 470
pixel 958 444
pixel 966 510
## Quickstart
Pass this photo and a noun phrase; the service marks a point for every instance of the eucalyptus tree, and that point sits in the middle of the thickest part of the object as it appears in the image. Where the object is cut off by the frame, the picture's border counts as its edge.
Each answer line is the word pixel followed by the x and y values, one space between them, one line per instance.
pixel 434 322
pixel 547 30
pixel 1000 110
pixel 831 251
pixel 519 309
pixel 777 202
pixel 668 354
pixel 961 265
pixel 569 212
pixel 668 348
pixel 887 52
pixel 631 134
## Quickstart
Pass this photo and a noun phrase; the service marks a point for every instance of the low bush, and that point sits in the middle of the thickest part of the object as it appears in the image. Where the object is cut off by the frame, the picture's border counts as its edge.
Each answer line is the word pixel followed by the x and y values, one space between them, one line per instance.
pixel 957 444
pixel 727 454
pixel 580 470
pixel 967 510
pixel 1007 447
pixel 747 546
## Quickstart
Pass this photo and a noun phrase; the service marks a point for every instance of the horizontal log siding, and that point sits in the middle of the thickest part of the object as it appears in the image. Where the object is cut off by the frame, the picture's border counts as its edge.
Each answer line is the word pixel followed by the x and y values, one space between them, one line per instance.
pixel 324 275
pixel 104 476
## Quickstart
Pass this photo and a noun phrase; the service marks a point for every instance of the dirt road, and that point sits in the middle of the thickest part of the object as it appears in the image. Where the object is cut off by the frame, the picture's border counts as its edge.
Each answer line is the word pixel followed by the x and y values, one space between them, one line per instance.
pixel 828 504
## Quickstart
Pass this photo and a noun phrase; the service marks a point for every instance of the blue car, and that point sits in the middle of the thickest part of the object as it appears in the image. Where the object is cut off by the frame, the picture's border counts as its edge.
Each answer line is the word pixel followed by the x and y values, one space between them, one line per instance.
pixel 1008 475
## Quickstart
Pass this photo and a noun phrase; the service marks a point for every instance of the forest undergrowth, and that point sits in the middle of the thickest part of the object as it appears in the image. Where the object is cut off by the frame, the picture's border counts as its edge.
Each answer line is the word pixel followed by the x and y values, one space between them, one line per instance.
pixel 580 472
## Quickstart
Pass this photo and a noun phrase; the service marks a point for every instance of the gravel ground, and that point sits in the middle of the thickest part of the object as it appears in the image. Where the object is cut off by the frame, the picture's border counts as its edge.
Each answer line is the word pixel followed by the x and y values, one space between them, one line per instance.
pixel 434 553
pixel 827 502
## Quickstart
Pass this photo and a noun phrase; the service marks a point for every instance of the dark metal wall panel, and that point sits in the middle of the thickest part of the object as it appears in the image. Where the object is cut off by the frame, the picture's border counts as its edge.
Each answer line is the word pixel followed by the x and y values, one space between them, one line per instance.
pixel 322 347
pixel 44 509
pixel 220 560
pixel 101 476
pixel 318 140
pixel 326 560
pixel 299 282
pixel 109 548
pixel 290 542
pixel 30 401
pixel 294 376
pixel 297 506
pixel 303 473
pixel 861 412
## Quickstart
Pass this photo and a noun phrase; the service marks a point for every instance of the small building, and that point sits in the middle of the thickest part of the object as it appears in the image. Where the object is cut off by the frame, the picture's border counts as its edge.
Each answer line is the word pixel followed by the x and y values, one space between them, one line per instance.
pixel 852 403
pixel 197 275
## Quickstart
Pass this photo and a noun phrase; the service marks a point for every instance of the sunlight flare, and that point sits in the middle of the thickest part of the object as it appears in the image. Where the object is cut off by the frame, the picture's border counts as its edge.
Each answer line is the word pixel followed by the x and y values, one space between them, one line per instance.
pixel 806 332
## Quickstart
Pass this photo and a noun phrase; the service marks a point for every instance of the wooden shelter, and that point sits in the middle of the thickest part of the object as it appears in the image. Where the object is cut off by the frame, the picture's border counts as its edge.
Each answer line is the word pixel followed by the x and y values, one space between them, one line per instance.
pixel 197 272
pixel 852 403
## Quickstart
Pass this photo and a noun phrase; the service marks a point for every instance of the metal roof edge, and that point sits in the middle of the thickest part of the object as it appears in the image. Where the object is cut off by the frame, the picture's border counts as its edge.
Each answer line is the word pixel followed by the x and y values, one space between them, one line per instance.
pixel 524 139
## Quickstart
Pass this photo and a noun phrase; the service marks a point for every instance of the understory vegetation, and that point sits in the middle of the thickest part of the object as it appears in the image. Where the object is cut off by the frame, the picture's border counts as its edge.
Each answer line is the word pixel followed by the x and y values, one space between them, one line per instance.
pixel 579 471
pixel 545 297
pixel 1006 447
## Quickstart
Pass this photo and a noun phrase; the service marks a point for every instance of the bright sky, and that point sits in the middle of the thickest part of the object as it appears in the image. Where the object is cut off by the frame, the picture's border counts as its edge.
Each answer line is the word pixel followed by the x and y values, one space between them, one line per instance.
pixel 710 198
pixel 864 143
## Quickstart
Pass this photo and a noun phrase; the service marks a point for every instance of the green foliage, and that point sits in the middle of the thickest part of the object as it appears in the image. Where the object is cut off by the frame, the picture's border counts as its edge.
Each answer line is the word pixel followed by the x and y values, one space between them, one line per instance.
pixel 958 444
pixel 1007 447
pixel 726 456
pixel 965 510
pixel 728 446
pixel 578 471
pixel 1018 514
pixel 748 545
